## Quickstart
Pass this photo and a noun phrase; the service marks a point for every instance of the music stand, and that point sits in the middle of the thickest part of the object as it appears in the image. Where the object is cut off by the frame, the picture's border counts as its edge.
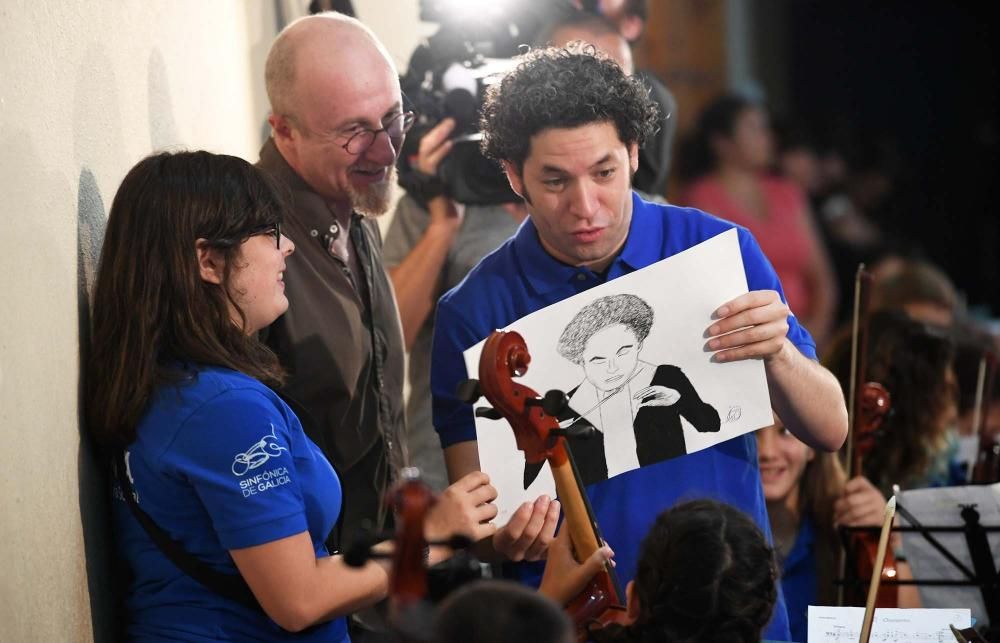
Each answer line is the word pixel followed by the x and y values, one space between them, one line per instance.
pixel 948 545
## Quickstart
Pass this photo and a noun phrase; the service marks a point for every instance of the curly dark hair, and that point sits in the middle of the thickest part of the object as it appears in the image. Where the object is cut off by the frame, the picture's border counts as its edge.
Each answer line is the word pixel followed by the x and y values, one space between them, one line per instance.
pixel 706 574
pixel 913 361
pixel 563 87
pixel 625 309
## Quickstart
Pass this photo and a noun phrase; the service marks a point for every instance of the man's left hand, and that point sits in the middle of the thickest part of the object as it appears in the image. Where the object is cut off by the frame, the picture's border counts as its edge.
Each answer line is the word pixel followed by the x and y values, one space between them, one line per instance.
pixel 753 325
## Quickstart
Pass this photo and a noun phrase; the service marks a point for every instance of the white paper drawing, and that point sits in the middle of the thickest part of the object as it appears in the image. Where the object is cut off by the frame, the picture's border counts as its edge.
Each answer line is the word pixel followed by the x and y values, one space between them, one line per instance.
pixel 631 355
pixel 636 406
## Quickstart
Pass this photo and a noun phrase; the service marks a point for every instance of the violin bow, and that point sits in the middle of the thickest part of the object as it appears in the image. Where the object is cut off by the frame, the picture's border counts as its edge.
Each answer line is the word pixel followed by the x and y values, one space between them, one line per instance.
pixel 852 411
pixel 883 544
pixel 859 349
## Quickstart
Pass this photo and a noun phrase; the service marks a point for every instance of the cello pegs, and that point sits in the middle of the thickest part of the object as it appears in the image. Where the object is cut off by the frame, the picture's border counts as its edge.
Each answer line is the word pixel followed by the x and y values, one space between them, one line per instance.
pixel 488 412
pixel 468 391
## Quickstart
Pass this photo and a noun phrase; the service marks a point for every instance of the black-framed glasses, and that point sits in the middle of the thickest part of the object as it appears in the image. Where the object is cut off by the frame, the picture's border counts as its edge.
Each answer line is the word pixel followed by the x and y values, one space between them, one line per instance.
pixel 270 228
pixel 395 129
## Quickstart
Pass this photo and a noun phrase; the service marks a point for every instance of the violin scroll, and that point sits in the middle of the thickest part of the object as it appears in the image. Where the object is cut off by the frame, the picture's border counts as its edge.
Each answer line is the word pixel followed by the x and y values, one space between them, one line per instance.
pixel 534 420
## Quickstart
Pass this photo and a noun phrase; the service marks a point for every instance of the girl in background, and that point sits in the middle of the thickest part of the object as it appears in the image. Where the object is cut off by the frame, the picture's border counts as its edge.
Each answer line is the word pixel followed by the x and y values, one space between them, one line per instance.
pixel 915 446
pixel 725 166
pixel 800 488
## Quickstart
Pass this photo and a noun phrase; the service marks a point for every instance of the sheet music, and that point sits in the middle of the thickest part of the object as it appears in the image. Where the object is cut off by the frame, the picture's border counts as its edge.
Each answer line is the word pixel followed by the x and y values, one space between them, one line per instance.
pixel 940 507
pixel 843 624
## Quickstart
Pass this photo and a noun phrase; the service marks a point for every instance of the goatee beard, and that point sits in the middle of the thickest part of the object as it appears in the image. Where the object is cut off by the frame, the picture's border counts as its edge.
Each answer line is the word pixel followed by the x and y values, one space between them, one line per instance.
pixel 373 200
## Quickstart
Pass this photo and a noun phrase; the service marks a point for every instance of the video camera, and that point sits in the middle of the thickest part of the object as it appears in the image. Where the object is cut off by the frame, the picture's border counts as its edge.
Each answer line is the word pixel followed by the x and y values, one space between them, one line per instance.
pixel 447 76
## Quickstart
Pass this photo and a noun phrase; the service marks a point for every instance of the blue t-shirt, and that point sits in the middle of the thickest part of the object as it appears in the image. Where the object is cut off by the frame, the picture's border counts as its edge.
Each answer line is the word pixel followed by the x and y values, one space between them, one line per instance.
pixel 219 462
pixel 798 580
pixel 520 278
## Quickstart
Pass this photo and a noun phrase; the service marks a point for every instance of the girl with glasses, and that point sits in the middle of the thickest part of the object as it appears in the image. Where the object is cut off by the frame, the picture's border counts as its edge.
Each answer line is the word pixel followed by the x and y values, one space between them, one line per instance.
pixel 179 384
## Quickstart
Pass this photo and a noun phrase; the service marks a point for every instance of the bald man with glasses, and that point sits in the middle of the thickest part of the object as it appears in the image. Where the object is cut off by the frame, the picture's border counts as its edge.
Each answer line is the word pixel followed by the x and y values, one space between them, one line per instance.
pixel 337 125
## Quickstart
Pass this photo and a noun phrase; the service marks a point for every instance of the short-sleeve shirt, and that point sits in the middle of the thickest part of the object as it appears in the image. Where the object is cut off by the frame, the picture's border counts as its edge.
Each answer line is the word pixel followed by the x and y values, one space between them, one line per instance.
pixel 219 463
pixel 520 278
pixel 798 580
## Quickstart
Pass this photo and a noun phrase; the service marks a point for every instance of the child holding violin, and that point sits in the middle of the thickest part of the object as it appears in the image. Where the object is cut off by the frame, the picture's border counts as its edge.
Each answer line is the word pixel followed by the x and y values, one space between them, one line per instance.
pixel 213 467
pixel 808 497
pixel 914 446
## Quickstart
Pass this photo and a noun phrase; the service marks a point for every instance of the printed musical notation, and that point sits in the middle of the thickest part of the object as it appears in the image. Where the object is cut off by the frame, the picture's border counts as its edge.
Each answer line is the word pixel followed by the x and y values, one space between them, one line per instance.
pixel 843 624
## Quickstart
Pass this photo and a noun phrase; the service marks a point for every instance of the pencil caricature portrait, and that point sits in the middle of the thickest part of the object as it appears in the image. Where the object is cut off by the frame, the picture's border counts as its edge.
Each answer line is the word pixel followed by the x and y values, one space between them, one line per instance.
pixel 635 405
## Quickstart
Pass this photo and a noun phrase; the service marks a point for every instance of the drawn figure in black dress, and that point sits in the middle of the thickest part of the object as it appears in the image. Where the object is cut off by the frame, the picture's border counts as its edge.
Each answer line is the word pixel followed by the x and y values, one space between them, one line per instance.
pixel 636 406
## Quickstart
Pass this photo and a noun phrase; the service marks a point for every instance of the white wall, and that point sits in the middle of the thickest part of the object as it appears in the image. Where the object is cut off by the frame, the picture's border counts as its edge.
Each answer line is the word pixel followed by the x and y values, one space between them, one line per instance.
pixel 87 88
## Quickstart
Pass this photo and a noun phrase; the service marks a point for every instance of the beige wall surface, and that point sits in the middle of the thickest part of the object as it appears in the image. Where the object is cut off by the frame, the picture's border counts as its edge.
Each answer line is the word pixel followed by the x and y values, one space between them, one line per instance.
pixel 87 88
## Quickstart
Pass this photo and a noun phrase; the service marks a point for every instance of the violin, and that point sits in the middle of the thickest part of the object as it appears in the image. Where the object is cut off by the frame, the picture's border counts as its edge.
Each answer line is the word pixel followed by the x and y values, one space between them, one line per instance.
pixel 986 469
pixel 869 404
pixel 410 611
pixel 538 434
pixel 412 590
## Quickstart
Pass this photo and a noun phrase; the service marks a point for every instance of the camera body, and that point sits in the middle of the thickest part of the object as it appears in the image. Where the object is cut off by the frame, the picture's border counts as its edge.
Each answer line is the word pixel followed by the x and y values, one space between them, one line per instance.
pixel 447 76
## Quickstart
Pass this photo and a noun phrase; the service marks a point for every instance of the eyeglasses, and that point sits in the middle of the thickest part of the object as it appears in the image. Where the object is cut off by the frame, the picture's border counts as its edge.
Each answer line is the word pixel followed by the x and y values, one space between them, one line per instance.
pixel 395 129
pixel 271 228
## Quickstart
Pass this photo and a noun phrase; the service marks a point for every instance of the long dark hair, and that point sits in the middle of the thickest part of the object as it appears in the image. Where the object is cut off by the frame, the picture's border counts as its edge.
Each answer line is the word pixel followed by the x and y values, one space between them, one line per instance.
pixel 706 574
pixel 912 361
pixel 696 157
pixel 821 484
pixel 152 312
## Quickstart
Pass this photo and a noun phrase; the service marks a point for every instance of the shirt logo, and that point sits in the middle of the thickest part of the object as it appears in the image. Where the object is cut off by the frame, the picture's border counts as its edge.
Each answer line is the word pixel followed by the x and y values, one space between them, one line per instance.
pixel 258 454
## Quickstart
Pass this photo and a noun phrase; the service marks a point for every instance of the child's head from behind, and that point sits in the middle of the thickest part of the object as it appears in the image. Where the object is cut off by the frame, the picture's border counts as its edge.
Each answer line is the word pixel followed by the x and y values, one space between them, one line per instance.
pixel 501 611
pixel 705 573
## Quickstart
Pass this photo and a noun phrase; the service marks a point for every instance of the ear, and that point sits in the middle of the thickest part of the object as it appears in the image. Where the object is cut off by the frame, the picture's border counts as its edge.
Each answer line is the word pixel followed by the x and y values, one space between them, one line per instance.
pixel 211 265
pixel 631 603
pixel 810 455
pixel 514 178
pixel 281 129
pixel 633 157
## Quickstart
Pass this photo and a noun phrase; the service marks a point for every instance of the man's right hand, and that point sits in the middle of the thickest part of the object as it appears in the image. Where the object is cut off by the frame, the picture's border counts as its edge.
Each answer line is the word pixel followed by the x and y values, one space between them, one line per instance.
pixel 529 532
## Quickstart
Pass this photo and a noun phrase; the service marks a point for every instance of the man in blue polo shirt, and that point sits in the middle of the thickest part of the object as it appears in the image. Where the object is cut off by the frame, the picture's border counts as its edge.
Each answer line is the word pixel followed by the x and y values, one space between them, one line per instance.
pixel 566 125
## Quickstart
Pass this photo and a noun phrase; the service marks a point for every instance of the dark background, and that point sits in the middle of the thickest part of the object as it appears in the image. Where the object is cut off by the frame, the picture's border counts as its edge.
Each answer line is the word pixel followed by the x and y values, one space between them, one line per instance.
pixel 912 85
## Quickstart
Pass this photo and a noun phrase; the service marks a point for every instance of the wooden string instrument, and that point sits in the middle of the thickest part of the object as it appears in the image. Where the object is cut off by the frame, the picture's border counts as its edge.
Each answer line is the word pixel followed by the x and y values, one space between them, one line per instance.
pixel 411 605
pixel 533 419
pixel 868 405
pixel 986 469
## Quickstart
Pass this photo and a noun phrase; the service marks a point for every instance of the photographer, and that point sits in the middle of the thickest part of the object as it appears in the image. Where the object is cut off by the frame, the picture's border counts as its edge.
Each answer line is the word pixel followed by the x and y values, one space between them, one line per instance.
pixel 427 252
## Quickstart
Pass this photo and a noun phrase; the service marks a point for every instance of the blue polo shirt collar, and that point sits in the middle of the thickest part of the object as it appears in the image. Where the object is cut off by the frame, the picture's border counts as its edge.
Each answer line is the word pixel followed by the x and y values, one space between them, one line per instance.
pixel 645 242
pixel 545 274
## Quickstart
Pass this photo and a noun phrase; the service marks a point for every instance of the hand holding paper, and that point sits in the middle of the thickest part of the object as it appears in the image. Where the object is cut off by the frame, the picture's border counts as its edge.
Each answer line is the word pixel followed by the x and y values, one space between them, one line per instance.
pixel 751 325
